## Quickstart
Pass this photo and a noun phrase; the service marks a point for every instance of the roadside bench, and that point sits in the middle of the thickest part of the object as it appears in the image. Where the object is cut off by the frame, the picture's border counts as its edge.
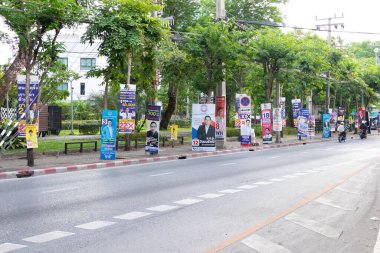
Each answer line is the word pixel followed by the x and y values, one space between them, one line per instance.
pixel 75 143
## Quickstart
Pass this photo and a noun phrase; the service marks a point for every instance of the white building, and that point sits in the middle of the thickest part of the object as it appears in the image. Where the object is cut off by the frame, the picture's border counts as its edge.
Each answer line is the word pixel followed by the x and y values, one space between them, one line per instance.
pixel 80 58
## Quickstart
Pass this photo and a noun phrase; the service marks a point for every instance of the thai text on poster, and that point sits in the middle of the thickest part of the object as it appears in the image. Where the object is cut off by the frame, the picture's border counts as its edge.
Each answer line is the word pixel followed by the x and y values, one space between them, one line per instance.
pixel 152 134
pixel 266 122
pixel 108 135
pixel 203 127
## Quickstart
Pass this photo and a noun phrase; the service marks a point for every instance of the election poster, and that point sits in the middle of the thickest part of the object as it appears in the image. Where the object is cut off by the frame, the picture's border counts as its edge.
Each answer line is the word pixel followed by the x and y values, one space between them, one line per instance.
pixel 237 110
pixel 203 127
pixel 333 119
pixel 283 111
pixel 152 137
pixel 303 123
pixel 108 135
pixel 174 132
pixel 326 125
pixel 31 136
pixel 127 110
pixel 245 120
pixel 312 125
pixel 361 115
pixel 266 122
pixel 277 120
pixel 21 107
pixel 220 104
pixel 340 116
pixel 296 106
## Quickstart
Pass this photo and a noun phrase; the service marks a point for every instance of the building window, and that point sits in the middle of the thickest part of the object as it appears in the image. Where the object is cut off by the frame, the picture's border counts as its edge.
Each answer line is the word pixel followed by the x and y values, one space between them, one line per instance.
pixel 64 62
pixel 82 89
pixel 63 86
pixel 87 63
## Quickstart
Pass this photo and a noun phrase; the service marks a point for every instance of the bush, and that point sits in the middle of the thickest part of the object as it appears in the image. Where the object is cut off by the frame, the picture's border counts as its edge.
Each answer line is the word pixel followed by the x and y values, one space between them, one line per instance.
pixel 233 132
pixel 89 129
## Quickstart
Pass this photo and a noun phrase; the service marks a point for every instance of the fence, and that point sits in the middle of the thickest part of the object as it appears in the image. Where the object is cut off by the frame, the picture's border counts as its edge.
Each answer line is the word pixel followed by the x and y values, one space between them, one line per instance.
pixel 10 113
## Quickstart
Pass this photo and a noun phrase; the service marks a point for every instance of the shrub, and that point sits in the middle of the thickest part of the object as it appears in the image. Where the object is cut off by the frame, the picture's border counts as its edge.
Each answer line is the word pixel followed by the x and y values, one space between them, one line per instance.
pixel 233 132
pixel 89 128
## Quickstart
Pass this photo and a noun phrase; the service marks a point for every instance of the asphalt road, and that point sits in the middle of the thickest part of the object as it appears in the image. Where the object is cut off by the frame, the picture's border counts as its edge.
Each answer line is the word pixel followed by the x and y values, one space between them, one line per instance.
pixel 313 198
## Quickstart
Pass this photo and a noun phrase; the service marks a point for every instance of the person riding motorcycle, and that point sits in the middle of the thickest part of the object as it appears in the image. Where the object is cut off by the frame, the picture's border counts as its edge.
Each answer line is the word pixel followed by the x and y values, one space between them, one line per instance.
pixel 342 132
pixel 363 128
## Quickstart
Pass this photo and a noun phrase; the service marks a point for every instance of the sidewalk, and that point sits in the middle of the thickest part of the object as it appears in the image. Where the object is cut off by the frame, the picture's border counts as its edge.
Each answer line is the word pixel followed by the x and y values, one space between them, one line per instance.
pixel 59 162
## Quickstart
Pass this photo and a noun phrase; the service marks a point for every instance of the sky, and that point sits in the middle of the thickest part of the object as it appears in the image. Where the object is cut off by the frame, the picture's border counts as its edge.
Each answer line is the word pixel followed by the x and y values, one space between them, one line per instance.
pixel 359 16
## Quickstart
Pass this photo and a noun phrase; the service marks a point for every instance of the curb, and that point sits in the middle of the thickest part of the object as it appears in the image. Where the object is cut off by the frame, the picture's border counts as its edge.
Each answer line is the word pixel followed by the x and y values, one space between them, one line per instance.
pixel 53 170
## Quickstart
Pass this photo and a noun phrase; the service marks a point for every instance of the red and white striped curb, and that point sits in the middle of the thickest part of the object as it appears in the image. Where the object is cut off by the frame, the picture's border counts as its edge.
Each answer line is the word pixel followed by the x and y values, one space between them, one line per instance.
pixel 53 170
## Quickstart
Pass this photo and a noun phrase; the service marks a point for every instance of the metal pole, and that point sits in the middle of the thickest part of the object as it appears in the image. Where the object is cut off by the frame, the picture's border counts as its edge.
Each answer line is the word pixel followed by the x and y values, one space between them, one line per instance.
pixel 277 104
pixel 72 108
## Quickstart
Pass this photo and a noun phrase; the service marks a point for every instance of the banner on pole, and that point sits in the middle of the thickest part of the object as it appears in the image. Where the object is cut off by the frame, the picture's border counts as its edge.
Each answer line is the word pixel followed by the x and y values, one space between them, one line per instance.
pixel 174 132
pixel 31 136
pixel 127 110
pixel 303 123
pixel 33 107
pixel 333 119
pixel 296 105
pixel 108 135
pixel 152 137
pixel 326 125
pixel 245 120
pixel 220 103
pixel 266 122
pixel 277 120
pixel 283 111
pixel 203 127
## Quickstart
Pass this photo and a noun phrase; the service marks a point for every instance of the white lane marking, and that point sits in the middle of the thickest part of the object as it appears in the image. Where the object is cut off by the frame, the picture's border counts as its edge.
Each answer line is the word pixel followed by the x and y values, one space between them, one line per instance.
pixel 131 215
pixel 310 171
pixel 315 226
pixel 305 152
pixel 226 164
pixel 61 190
pixel 274 157
pixel 300 174
pixel 330 202
pixel 7 247
pixel 162 174
pixel 230 191
pixel 263 245
pixel 276 179
pixel 348 191
pixel 210 196
pixel 247 187
pixel 376 249
pixel 290 176
pixel 95 224
pixel 188 201
pixel 47 236
pixel 263 183
pixel 162 208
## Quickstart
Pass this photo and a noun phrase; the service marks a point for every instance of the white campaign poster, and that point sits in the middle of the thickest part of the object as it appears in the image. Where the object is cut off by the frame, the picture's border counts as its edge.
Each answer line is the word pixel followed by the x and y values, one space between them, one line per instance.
pixel 203 127
pixel 277 120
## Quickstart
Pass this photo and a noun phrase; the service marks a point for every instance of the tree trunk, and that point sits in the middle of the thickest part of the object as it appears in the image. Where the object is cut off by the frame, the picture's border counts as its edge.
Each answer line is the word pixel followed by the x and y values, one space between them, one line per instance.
pixel 172 94
pixel 10 76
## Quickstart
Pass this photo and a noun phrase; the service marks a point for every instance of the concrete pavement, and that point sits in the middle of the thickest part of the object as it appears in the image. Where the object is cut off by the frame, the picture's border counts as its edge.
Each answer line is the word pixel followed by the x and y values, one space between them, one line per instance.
pixel 15 165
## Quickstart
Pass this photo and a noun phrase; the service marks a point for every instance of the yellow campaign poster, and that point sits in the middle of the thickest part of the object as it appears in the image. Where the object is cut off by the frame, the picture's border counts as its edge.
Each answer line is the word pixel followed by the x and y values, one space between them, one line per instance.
pixel 174 132
pixel 31 136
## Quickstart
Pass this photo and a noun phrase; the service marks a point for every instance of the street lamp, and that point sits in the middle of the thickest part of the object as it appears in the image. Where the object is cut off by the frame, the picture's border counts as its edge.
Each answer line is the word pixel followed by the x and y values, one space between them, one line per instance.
pixel 72 106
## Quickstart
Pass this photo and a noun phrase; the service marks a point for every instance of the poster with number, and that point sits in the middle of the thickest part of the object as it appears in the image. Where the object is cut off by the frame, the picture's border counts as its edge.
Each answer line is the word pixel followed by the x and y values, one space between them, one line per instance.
pixel 326 125
pixel 283 111
pixel 303 123
pixel 266 122
pixel 296 106
pixel 152 137
pixel 174 132
pixel 108 135
pixel 360 115
pixel 277 120
pixel 333 119
pixel 31 136
pixel 127 110
pixel 203 127
pixel 237 110
pixel 245 120
pixel 220 103
pixel 33 107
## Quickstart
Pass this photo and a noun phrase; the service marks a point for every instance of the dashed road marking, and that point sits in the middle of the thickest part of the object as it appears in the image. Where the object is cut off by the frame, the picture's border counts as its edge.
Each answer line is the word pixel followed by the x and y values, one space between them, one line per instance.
pixel 132 215
pixel 263 183
pixel 315 226
pixel 300 174
pixel 188 201
pixel 310 171
pixel 247 187
pixel 348 191
pixel 95 224
pixel 276 179
pixel 263 245
pixel 290 176
pixel 8 247
pixel 230 191
pixel 274 157
pixel 162 208
pixel 162 174
pixel 329 202
pixel 226 164
pixel 60 190
pixel 48 236
pixel 210 196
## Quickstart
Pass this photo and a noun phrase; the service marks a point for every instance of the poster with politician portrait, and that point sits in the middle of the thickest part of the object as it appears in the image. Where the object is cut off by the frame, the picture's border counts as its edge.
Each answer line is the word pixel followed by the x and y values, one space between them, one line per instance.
pixel 203 127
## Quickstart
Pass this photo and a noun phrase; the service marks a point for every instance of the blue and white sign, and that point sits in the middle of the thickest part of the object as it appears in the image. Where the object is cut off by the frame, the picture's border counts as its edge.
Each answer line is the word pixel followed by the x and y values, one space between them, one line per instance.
pixel 326 125
pixel 303 123
pixel 108 135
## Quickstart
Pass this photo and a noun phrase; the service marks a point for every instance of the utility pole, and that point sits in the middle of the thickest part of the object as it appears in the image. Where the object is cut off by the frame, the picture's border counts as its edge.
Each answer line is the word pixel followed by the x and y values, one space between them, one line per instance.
pixel 277 105
pixel 221 88
pixel 329 25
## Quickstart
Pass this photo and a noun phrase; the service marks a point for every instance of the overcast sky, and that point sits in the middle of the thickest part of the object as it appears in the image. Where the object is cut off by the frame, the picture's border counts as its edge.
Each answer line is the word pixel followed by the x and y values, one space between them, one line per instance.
pixel 359 16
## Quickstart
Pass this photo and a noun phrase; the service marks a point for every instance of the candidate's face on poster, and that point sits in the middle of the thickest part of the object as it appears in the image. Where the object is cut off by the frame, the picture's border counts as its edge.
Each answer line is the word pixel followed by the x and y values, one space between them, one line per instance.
pixel 153 126
pixel 207 120
pixel 109 123
pixel 220 112
pixel 30 133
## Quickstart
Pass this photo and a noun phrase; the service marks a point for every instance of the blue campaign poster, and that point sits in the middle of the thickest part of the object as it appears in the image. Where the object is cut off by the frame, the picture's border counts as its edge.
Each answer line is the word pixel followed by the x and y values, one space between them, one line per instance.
pixel 303 123
pixel 326 125
pixel 152 134
pixel 108 135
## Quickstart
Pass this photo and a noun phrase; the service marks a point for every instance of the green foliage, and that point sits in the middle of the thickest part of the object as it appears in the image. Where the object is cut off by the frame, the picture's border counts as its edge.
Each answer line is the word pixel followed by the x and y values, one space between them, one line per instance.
pixel 182 123
pixel 17 143
pixel 233 132
pixel 83 110
pixel 89 128
pixel 67 123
